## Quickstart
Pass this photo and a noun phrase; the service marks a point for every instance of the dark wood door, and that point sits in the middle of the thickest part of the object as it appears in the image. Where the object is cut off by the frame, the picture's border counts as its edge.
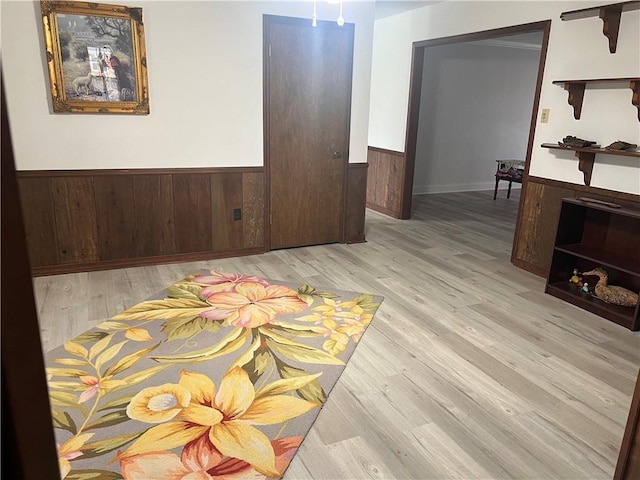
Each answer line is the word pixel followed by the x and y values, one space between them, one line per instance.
pixel 28 443
pixel 307 112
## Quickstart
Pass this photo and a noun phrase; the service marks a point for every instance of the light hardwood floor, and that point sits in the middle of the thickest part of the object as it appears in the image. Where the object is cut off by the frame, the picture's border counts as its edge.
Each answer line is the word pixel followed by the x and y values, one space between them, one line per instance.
pixel 468 370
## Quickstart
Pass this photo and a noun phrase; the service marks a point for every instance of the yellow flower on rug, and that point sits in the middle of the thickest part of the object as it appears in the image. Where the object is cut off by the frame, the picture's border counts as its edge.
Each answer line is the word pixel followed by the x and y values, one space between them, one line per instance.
pixel 225 416
pixel 340 321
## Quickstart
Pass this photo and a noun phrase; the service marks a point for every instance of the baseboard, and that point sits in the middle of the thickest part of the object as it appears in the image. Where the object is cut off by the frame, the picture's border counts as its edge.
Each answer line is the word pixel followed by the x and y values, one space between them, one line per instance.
pixel 529 267
pixel 461 187
pixel 383 210
pixel 141 262
pixel 358 239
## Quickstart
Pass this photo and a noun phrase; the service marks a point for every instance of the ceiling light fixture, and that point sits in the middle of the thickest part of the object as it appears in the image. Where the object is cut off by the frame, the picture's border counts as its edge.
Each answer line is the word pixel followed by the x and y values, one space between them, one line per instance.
pixel 314 18
pixel 314 22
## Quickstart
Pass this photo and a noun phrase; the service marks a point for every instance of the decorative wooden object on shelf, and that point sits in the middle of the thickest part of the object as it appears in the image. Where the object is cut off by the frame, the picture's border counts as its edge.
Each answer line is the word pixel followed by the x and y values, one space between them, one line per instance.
pixel 586 156
pixel 576 91
pixel 610 15
pixel 591 235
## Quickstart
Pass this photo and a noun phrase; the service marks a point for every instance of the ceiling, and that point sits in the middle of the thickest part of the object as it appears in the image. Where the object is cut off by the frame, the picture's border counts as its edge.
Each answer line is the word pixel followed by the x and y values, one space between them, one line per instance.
pixel 386 8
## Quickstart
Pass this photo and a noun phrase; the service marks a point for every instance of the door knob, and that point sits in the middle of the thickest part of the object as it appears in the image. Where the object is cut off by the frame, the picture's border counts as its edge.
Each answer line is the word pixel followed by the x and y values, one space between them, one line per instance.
pixel 336 155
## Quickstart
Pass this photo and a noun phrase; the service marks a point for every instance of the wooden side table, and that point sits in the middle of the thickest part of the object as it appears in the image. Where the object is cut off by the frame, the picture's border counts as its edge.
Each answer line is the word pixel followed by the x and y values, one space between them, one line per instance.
pixel 509 170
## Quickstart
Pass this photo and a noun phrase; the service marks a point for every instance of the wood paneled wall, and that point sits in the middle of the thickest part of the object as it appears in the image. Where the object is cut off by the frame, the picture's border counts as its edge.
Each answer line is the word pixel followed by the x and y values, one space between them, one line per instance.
pixel 356 203
pixel 94 219
pixel 385 181
pixel 98 219
pixel 538 218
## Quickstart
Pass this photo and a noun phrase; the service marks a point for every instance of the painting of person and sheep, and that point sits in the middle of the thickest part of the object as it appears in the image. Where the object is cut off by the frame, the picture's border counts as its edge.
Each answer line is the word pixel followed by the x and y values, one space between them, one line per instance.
pixel 97 58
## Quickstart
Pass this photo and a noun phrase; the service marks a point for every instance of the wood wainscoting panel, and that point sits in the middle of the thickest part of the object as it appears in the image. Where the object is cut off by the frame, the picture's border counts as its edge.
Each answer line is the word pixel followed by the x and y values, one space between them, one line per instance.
pixel 153 210
pixel 533 247
pixel 76 221
pixel 226 195
pixel 253 210
pixel 356 203
pixel 85 220
pixel 115 216
pixel 40 221
pixel 193 213
pixel 539 218
pixel 385 181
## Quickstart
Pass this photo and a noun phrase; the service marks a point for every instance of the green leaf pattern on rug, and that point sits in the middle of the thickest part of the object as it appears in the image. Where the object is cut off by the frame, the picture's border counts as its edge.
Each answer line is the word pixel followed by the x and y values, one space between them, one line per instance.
pixel 63 420
pixel 100 447
pixel 92 474
pixel 258 329
pixel 167 309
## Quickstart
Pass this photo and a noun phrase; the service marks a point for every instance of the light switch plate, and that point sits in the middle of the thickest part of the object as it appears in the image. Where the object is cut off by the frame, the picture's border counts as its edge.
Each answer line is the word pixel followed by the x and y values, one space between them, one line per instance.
pixel 544 118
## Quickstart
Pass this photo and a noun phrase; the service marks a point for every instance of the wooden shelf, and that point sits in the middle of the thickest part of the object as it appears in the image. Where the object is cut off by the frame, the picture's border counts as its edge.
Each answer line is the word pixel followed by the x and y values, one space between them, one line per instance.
pixel 610 15
pixel 632 213
pixel 603 257
pixel 576 90
pixel 621 153
pixel 564 290
pixel 586 156
pixel 591 235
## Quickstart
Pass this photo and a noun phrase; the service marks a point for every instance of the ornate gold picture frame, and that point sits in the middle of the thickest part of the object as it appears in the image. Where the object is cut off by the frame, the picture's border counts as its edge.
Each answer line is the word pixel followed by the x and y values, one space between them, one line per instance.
pixel 96 57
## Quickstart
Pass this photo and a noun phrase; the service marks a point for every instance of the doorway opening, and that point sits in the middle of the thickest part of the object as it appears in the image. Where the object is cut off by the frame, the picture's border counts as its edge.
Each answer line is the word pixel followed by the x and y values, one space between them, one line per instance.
pixel 450 135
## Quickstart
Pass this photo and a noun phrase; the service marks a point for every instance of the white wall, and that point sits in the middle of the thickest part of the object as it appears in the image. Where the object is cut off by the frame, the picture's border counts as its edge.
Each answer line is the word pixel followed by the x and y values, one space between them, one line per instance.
pixel 205 84
pixel 475 109
pixel 390 89
pixel 577 49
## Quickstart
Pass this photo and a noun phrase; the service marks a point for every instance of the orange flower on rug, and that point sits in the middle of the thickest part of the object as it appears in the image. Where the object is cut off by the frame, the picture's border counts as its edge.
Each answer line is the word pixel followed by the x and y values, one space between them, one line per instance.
pixel 220 377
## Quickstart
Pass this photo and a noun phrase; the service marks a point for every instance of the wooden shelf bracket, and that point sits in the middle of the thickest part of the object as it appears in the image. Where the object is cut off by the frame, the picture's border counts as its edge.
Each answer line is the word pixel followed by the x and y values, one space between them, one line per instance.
pixel 577 87
pixel 610 16
pixel 587 155
pixel 585 165
pixel 634 85
pixel 576 96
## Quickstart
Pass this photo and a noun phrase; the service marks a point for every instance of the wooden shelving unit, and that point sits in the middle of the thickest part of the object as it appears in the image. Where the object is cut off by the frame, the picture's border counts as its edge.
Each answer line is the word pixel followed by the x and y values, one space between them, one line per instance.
pixel 610 15
pixel 576 90
pixel 586 156
pixel 592 235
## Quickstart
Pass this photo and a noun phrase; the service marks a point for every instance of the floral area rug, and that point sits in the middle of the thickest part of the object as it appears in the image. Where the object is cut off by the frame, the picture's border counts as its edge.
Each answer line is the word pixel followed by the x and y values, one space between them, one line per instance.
pixel 219 377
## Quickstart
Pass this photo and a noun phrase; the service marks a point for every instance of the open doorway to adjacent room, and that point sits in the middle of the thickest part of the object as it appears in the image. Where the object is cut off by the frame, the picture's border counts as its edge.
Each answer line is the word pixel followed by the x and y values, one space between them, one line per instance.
pixel 473 101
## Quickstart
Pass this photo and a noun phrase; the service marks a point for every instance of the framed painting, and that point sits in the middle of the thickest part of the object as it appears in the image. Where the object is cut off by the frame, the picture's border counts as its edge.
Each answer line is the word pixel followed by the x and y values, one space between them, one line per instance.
pixel 96 57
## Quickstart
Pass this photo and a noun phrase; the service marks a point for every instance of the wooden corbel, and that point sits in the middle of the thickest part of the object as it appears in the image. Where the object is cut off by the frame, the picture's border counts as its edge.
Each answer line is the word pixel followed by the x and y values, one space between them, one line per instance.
pixel 585 165
pixel 576 96
pixel 610 15
pixel 634 85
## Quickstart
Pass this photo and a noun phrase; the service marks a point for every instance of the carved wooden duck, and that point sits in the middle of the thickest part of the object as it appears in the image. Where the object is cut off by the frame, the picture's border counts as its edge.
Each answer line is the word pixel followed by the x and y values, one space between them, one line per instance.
pixel 609 293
